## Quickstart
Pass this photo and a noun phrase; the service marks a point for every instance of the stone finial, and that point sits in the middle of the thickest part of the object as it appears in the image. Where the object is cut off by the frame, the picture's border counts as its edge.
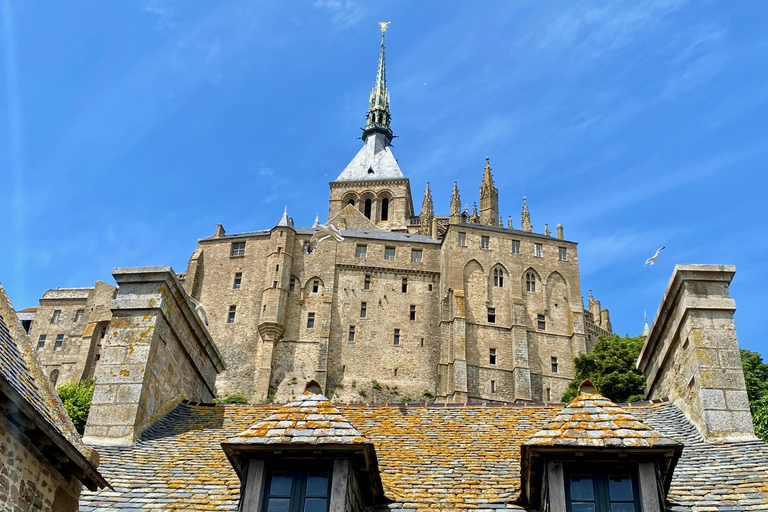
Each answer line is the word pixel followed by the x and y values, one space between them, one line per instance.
pixel 546 229
pixel 525 218
pixel 455 205
pixel 509 222
pixel 219 231
pixel 646 329
pixel 427 213
pixel 475 217
pixel 489 197
pixel 560 231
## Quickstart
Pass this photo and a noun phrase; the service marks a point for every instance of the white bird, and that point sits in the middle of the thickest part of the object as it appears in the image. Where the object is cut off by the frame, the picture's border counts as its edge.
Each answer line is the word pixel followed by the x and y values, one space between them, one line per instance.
pixel 326 231
pixel 424 83
pixel 199 309
pixel 652 259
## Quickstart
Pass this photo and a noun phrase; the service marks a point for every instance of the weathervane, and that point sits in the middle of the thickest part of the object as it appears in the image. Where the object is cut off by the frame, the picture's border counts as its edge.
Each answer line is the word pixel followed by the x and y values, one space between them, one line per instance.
pixel 384 25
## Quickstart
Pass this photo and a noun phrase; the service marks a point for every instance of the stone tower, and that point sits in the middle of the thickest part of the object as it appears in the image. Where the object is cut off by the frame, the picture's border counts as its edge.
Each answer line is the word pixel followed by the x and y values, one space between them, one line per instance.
pixel 489 198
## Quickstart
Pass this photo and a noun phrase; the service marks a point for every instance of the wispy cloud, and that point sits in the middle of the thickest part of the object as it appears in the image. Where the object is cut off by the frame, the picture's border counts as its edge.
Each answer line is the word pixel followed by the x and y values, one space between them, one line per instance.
pixel 344 13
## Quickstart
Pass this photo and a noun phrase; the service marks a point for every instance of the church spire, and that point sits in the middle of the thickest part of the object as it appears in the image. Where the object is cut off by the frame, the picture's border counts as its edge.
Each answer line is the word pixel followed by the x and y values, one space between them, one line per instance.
pixel 455 205
pixel 378 112
pixel 525 218
pixel 489 197
pixel 427 213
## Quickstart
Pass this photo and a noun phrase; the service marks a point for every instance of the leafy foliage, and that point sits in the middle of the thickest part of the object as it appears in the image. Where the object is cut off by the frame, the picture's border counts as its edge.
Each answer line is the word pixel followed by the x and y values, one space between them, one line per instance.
pixel 756 378
pixel 760 417
pixel 77 401
pixel 611 368
pixel 232 398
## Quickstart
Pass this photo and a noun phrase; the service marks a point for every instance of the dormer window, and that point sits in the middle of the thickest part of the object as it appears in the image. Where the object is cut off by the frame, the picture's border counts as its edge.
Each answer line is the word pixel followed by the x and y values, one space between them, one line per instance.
pixel 298 491
pixel 370 170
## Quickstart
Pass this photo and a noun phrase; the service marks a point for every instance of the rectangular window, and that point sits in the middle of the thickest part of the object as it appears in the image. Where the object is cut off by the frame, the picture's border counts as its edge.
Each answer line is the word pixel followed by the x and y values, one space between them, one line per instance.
pixel 485 242
pixel 56 316
pixel 397 337
pixel 367 282
pixel 491 315
pixel 389 253
pixel 601 492
pixel 541 320
pixel 315 286
pixel 537 250
pixel 310 320
pixel 361 251
pixel 492 356
pixel 231 314
pixel 292 284
pixel 405 285
pixel 363 309
pixel 59 342
pixel 79 315
pixel 279 250
pixel 549 395
pixel 413 312
pixel 297 491
pixel 274 284
pixel 238 280
pixel 515 246
pixel 553 360
pixel 41 342
pixel 493 386
pixel 351 333
pixel 277 268
pixel 462 239
pixel 238 249
pixel 415 255
pixel 562 253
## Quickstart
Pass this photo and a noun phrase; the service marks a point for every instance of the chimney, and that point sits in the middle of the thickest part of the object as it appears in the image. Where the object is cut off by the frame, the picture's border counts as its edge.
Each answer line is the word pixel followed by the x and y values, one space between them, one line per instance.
pixel 434 229
pixel 560 231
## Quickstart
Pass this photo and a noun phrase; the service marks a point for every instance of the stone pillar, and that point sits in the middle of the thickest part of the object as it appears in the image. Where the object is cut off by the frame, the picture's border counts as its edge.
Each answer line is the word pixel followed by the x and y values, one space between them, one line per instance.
pixel 521 371
pixel 692 355
pixel 156 353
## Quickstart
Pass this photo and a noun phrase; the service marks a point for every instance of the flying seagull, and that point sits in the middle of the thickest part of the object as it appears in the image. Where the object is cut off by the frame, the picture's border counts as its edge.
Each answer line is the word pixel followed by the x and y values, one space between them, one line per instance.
pixel 199 309
pixel 652 259
pixel 424 83
pixel 326 231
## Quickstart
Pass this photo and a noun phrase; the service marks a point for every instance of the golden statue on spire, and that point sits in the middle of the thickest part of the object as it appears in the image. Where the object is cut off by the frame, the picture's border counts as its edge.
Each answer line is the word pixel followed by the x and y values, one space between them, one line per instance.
pixel 384 25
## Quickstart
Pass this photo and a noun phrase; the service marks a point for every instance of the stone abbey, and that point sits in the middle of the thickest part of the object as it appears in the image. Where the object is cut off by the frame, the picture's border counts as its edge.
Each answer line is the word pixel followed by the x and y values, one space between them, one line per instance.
pixel 453 307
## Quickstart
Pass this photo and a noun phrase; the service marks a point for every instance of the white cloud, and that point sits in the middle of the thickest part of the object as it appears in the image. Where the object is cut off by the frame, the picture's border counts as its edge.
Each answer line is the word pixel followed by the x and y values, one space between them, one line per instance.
pixel 344 13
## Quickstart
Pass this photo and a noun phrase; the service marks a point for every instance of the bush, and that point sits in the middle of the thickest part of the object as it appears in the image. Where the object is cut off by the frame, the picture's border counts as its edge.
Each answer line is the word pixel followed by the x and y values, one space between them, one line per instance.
pixel 760 417
pixel 232 398
pixel 77 401
pixel 375 385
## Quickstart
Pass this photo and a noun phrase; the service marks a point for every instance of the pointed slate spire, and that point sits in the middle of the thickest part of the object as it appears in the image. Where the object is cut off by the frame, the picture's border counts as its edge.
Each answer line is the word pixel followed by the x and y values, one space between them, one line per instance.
pixel 317 221
pixel 427 213
pixel 378 112
pixel 489 197
pixel 525 218
pixel 285 221
pixel 455 205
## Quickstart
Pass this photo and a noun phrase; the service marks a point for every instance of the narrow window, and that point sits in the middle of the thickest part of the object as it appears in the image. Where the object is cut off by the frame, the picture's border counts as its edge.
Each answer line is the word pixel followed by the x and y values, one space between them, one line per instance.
pixel 493 386
pixel 368 204
pixel 385 209
pixel 422 342
pixel 279 250
pixel 395 372
pixel 292 284
pixel 397 337
pixel 537 250
pixel 554 364
pixel 542 322
pixel 54 376
pixel 238 280
pixel 231 315
pixel 274 284
pixel 56 316
pixel 405 285
pixel 491 315
pixel 315 286
pixel 238 249
pixel 485 242
pixel 306 247
pixel 277 268
pixel 549 395
pixel 562 253
pixel 415 255
pixel 351 201
pixel 530 282
pixel 79 315
pixel 515 246
pixel 361 251
pixel 363 309
pixel 430 287
pixel 310 320
pixel 103 332
pixel 389 253
pixel 462 239
pixel 498 277
pixel 367 282
pixel 59 342
pixel 351 333
pixel 41 342
pixel 492 356
pixel 413 312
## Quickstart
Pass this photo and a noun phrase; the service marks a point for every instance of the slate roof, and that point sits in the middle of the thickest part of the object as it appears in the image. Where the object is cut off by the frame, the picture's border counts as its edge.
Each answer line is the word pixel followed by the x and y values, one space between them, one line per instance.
pixel 374 161
pixel 435 457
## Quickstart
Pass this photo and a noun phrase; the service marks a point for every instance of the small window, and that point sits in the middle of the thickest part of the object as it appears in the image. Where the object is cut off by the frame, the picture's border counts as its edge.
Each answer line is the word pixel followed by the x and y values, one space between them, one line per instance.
pixel 56 316
pixel 306 247
pixel 537 250
pixel 310 320
pixel 562 253
pixel 367 282
pixel 279 250
pixel 385 209
pixel 274 284
pixel 238 280
pixel 231 315
pixel 395 372
pixel 553 360
pixel 397 337
pixel 59 342
pixel 363 309
pixel 41 342
pixel 277 268
pixel 413 312
pixel 54 376
pixel 79 315
pixel 281 233
pixel 292 284
pixel 530 282
pixel 361 251
pixel 515 246
pixel 549 395
pixel 429 287
pixel 351 333
pixel 238 249
pixel 491 315
pixel 601 492
pixel 293 491
pixel 405 285
pixel 492 356
pixel 493 386
pixel 498 277
pixel 389 253
pixel 541 321
pixel 485 242
pixel 415 255
pixel 103 332
pixel 462 239
pixel 368 203
pixel 315 286
pixel 422 342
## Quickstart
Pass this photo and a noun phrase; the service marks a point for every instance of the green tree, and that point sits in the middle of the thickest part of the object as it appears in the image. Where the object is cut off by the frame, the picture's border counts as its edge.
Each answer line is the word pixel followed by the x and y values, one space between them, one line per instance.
pixel 756 379
pixel 232 398
pixel 77 401
pixel 611 368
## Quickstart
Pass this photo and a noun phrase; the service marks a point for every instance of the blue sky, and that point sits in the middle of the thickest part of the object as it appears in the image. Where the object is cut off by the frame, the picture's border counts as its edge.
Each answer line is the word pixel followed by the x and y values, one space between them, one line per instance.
pixel 129 129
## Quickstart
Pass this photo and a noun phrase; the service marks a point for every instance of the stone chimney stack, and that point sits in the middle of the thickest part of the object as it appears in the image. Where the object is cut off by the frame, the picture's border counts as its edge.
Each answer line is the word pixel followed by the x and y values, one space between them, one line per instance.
pixel 560 231
pixel 692 355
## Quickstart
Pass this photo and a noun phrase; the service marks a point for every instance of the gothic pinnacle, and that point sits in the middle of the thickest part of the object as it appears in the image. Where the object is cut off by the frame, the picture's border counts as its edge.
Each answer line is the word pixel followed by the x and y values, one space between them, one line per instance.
pixel 525 218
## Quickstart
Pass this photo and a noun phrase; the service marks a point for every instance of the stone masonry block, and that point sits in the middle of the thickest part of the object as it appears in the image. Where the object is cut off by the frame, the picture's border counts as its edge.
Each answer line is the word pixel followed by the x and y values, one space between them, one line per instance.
pixel 730 358
pixel 722 378
pixel 726 423
pixel 712 399
pixel 737 400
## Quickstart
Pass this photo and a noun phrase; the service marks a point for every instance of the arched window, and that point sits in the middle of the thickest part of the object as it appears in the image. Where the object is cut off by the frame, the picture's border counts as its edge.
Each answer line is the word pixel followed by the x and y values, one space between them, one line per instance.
pixel 530 282
pixel 385 209
pixel 367 212
pixel 54 377
pixel 498 277
pixel 351 201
